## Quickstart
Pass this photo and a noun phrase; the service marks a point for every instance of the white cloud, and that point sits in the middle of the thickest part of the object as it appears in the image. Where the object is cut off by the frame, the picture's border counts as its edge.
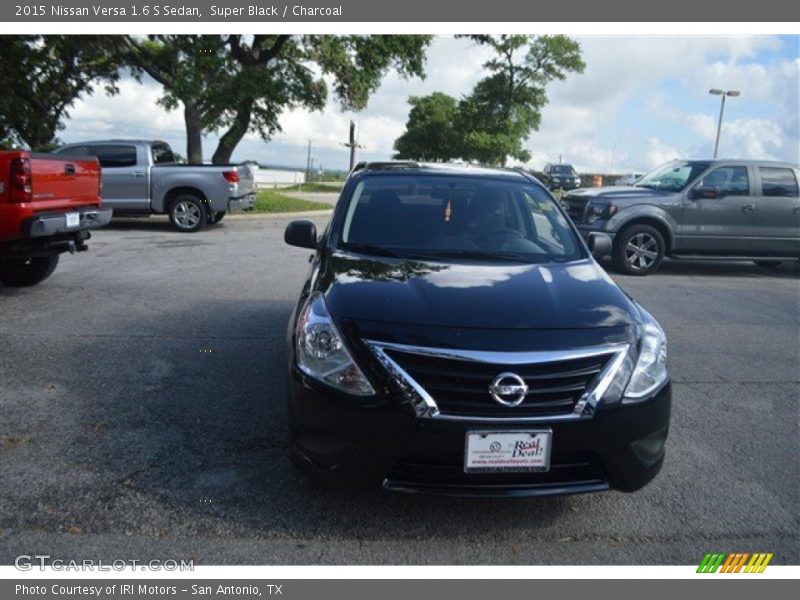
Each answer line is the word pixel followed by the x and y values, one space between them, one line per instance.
pixel 739 138
pixel 659 152
pixel 589 119
pixel 132 112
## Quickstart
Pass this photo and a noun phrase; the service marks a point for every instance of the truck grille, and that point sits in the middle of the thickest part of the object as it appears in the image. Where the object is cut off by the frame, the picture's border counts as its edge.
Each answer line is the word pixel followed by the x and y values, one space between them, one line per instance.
pixel 575 207
pixel 460 387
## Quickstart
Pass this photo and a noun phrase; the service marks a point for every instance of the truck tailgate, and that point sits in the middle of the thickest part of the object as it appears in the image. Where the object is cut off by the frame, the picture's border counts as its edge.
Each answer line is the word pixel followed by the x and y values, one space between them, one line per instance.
pixel 60 182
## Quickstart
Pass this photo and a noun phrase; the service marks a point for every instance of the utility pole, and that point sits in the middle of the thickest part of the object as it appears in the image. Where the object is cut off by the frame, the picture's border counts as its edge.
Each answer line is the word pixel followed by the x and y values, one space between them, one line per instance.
pixel 352 145
pixel 308 162
pixel 724 94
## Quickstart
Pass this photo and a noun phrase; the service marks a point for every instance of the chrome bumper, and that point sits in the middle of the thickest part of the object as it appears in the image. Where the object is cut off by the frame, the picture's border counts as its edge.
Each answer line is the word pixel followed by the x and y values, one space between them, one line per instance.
pixel 50 224
pixel 242 203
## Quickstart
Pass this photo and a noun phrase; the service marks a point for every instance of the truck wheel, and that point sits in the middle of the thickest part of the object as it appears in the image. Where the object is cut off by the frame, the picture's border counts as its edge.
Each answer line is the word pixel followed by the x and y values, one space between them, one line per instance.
pixel 216 217
pixel 638 250
pixel 187 213
pixel 28 271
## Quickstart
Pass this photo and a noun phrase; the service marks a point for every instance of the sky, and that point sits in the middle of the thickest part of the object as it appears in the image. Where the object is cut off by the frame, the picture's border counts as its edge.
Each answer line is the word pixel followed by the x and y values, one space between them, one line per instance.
pixel 641 101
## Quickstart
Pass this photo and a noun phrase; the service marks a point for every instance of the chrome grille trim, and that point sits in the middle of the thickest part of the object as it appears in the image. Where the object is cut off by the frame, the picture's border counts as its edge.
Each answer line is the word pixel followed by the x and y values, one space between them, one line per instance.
pixel 425 406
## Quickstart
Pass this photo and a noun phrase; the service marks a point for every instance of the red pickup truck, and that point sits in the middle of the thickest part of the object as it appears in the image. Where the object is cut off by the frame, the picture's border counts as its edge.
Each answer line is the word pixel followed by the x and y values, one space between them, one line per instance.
pixel 48 204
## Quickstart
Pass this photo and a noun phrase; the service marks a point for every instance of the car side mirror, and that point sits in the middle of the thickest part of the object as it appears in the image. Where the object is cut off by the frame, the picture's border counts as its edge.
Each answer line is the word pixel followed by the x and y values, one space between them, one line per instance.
pixel 599 244
pixel 702 192
pixel 302 234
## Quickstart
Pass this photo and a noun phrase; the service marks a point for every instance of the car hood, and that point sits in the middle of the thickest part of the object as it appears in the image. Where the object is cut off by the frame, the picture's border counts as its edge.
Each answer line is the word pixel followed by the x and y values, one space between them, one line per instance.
pixel 468 295
pixel 620 194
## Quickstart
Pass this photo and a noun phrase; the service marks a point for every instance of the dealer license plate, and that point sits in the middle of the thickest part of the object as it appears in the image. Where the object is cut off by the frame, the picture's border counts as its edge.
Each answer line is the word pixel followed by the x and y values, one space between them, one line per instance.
pixel 507 451
pixel 73 219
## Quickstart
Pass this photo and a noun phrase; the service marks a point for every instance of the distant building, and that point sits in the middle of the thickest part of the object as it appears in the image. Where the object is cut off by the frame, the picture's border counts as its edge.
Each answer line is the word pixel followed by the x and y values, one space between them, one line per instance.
pixel 268 177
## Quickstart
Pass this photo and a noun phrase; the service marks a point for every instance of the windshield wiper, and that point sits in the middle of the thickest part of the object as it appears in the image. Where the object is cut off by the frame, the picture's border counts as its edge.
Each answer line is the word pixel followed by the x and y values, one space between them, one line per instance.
pixel 480 254
pixel 371 249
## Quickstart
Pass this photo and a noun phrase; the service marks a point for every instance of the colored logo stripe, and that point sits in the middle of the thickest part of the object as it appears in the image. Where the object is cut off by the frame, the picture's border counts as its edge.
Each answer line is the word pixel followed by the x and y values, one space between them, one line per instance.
pixel 734 562
pixel 711 563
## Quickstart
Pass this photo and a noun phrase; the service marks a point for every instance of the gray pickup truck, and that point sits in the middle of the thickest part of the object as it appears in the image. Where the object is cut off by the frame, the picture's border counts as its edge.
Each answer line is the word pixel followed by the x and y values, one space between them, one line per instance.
pixel 722 208
pixel 142 177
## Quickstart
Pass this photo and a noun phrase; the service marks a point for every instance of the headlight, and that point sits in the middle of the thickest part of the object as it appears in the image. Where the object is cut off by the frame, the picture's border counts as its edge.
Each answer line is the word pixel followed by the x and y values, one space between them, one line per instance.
pixel 321 352
pixel 650 371
pixel 577 181
pixel 600 211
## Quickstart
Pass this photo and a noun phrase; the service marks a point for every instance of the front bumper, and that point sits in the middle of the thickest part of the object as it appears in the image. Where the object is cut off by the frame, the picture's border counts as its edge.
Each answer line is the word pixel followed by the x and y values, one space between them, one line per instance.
pixel 242 203
pixel 351 447
pixel 56 223
pixel 564 185
pixel 600 226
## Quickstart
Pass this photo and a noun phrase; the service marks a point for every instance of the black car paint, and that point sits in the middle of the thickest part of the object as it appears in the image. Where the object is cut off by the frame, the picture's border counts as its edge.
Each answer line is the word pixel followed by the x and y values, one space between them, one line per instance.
pixel 348 442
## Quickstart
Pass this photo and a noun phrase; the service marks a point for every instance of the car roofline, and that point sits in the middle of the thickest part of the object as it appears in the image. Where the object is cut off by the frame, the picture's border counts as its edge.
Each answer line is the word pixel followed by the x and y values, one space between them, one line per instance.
pixel 366 168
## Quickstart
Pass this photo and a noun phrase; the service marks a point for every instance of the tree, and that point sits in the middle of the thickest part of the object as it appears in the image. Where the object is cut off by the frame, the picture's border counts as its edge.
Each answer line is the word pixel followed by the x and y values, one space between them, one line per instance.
pixel 431 132
pixel 236 84
pixel 186 67
pixel 41 77
pixel 502 110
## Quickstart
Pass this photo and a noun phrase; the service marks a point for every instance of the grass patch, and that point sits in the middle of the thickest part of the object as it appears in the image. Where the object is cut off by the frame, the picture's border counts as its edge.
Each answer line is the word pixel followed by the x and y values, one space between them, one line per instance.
pixel 317 186
pixel 270 201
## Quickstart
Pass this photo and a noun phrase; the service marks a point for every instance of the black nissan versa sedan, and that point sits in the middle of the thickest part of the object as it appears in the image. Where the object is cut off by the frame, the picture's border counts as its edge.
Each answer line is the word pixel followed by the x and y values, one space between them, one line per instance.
pixel 456 336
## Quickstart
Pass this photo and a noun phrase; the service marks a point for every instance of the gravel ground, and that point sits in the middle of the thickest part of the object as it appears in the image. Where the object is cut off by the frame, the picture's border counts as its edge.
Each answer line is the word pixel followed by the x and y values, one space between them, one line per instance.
pixel 143 416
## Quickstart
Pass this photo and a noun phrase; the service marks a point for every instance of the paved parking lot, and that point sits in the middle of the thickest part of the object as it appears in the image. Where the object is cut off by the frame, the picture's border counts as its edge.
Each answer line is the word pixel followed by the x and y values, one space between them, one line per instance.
pixel 143 416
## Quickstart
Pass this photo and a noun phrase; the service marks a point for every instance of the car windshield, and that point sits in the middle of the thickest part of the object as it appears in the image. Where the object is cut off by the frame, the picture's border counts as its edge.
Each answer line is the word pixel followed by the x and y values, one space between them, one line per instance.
pixel 673 176
pixel 455 217
pixel 562 169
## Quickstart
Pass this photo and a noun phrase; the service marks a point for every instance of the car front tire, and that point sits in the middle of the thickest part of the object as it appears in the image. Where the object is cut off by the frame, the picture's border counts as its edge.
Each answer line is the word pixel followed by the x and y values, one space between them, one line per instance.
pixel 638 250
pixel 27 272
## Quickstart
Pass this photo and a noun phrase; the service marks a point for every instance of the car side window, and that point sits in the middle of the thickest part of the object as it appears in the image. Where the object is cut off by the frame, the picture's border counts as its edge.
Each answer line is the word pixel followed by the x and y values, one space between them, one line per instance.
pixel 776 181
pixel 162 154
pixel 114 155
pixel 728 181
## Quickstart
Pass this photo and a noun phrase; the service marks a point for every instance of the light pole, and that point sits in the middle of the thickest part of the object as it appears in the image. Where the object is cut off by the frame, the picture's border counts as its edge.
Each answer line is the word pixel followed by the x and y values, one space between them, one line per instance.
pixel 716 92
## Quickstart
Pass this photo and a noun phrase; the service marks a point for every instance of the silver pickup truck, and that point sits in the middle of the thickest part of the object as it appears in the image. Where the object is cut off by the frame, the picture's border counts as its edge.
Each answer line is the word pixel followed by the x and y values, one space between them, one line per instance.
pixel 142 177
pixel 709 208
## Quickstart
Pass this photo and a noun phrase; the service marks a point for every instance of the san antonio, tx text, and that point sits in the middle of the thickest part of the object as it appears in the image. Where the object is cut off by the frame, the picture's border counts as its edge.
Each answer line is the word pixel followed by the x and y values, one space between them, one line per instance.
pixel 176 10
pixel 129 589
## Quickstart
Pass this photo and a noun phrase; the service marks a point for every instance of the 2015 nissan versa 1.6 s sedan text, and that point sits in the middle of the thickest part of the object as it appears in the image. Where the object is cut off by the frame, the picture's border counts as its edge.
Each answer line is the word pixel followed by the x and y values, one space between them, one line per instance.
pixel 456 336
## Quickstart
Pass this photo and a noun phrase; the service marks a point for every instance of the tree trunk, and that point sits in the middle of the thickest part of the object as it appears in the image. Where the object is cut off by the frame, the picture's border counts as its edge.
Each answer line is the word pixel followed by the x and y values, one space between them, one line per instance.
pixel 232 137
pixel 194 132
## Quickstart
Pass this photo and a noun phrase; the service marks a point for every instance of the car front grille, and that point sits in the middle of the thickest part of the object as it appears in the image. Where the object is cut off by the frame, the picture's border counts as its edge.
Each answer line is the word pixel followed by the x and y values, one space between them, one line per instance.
pixel 460 387
pixel 575 207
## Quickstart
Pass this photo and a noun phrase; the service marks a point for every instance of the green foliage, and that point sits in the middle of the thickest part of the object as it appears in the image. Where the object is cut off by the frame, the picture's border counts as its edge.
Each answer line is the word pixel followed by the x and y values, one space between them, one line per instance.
pixel 493 121
pixel 41 76
pixel 240 84
pixel 317 186
pixel 431 133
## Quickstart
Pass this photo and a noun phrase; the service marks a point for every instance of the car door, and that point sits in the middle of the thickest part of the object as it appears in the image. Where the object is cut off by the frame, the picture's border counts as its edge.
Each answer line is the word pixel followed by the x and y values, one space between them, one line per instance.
pixel 718 214
pixel 777 230
pixel 126 185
